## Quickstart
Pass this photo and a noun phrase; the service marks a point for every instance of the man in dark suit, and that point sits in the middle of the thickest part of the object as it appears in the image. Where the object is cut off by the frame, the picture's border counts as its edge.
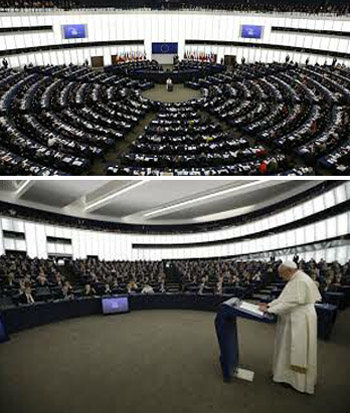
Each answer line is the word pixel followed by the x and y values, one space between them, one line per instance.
pixel 26 297
pixel 65 293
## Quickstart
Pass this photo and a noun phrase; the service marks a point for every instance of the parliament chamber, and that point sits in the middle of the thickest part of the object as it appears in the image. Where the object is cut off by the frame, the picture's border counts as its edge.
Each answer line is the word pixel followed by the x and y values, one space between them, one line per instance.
pixel 270 88
pixel 68 265
pixel 153 252
pixel 174 206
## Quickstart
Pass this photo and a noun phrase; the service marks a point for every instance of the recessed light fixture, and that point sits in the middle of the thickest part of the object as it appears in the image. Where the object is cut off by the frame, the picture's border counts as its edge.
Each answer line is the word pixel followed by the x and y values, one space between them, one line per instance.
pixel 114 195
pixel 22 187
pixel 201 198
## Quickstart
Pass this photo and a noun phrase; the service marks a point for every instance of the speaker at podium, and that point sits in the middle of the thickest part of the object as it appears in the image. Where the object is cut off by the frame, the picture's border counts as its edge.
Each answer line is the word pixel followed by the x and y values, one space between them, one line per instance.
pixel 169 85
pixel 227 335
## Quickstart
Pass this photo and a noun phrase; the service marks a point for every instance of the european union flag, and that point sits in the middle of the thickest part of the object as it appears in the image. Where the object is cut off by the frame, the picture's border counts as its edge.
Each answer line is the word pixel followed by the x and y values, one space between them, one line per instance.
pixel 164 48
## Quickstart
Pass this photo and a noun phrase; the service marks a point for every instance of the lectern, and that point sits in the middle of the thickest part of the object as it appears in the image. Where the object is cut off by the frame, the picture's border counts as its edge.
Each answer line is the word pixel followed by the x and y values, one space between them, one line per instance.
pixel 226 331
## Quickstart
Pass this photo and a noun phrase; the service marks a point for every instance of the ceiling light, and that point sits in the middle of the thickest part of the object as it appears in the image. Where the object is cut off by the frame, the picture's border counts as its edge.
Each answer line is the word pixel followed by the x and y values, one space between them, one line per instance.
pixel 109 197
pixel 22 187
pixel 202 198
pixel 217 216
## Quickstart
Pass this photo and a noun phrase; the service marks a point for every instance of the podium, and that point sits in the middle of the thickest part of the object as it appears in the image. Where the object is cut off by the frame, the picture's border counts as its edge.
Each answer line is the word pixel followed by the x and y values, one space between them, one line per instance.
pixel 226 331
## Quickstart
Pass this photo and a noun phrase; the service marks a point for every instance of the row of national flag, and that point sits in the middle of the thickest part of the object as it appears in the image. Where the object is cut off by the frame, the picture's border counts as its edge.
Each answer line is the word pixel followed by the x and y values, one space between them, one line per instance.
pixel 138 56
pixel 131 56
pixel 200 56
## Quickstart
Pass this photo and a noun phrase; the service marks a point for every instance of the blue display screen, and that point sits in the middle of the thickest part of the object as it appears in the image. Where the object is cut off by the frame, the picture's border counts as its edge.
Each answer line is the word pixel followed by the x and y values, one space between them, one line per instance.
pixel 251 32
pixel 164 48
pixel 112 305
pixel 74 31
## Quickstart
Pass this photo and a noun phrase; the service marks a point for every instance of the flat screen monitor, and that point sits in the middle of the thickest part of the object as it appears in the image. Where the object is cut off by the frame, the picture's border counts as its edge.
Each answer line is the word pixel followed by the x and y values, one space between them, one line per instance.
pixel 251 32
pixel 74 31
pixel 164 48
pixel 114 305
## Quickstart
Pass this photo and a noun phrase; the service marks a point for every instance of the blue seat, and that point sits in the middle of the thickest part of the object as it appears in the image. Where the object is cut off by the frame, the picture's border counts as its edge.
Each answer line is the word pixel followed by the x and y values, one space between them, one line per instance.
pixel 335 298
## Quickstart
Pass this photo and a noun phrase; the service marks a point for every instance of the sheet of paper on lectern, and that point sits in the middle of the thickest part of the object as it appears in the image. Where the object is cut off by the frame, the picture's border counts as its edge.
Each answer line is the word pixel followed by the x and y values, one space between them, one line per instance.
pixel 252 308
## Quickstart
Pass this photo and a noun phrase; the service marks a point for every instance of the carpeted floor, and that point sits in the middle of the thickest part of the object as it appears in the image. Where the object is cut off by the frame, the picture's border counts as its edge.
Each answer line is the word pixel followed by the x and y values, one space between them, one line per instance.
pixel 180 94
pixel 158 361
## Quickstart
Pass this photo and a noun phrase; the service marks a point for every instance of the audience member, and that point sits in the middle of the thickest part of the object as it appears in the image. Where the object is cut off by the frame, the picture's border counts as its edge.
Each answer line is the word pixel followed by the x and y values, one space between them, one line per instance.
pixel 26 297
pixel 19 279
pixel 147 289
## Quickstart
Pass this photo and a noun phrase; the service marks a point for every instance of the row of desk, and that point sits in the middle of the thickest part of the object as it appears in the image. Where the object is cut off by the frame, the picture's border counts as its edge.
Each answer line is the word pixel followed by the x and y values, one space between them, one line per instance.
pixel 16 319
pixel 160 76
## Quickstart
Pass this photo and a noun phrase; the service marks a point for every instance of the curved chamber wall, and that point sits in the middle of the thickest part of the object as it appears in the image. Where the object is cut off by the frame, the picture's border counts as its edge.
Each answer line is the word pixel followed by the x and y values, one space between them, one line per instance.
pixel 42 240
pixel 318 38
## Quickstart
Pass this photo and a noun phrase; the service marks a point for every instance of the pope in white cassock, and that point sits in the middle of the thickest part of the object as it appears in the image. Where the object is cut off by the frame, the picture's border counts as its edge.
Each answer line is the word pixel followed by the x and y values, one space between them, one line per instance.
pixel 295 352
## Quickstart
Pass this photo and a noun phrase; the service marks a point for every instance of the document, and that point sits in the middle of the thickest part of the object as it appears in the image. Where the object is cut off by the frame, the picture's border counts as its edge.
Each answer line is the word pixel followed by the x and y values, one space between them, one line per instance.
pixel 252 308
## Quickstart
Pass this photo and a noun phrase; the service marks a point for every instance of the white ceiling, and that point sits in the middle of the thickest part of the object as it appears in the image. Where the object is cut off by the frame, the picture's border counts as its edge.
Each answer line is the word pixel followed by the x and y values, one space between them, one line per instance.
pixel 155 201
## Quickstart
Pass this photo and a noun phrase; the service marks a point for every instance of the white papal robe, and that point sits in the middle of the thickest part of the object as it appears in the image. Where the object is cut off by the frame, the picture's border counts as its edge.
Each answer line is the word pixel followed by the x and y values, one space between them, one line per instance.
pixel 295 352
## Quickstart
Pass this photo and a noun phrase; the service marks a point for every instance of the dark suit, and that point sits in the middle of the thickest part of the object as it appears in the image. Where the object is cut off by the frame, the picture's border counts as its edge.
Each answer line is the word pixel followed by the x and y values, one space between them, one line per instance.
pixel 23 299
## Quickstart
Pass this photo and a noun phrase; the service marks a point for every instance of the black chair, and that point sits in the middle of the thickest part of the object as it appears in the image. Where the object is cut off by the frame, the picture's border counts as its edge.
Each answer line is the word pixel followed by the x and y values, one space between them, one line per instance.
pixel 6 302
pixel 42 294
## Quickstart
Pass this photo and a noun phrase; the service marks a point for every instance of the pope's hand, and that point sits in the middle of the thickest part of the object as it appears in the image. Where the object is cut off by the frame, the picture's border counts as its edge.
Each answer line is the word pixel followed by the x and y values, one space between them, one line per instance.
pixel 263 307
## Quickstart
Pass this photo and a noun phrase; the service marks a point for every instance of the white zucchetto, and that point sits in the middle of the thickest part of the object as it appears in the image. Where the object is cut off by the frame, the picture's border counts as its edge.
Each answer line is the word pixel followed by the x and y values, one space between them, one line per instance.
pixel 290 264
